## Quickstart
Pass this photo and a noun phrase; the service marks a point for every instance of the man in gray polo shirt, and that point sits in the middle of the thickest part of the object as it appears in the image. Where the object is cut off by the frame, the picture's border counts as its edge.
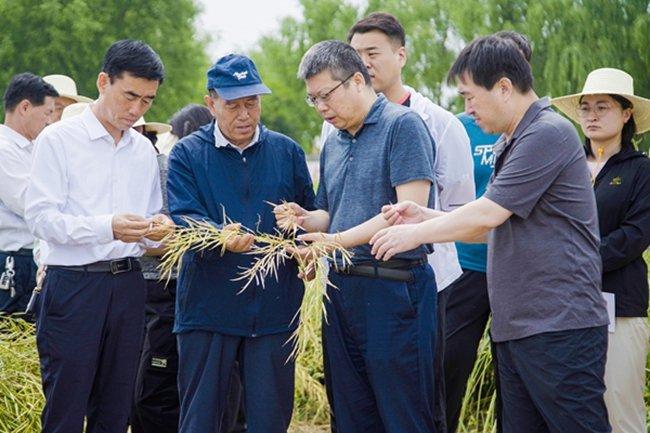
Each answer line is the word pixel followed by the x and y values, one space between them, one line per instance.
pixel 539 215
pixel 379 338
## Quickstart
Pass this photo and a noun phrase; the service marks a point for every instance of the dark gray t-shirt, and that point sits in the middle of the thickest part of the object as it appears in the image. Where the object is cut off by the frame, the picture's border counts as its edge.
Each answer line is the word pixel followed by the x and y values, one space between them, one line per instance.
pixel 544 269
pixel 359 174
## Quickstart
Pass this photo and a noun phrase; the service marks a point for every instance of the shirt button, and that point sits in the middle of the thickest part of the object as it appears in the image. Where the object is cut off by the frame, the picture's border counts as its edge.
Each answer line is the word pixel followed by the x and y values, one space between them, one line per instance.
pixel 354 140
pixel 351 158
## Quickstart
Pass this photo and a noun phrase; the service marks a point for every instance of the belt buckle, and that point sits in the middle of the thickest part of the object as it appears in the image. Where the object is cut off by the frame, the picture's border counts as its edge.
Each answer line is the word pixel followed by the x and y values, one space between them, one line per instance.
pixel 116 266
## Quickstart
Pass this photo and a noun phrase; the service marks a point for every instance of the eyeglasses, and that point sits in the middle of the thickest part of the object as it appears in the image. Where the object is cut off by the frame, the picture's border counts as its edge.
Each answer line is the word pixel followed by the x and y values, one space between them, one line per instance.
pixel 313 101
pixel 599 110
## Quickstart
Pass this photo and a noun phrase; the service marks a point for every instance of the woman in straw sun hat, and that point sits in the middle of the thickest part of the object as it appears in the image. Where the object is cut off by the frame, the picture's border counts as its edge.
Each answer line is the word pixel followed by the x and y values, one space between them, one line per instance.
pixel 610 114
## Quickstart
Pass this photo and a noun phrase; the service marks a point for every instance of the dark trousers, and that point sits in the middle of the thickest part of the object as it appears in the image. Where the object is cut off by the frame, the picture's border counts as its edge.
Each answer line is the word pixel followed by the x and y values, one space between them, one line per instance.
pixel 88 335
pixel 467 314
pixel 439 363
pixel 553 382
pixel 24 281
pixel 206 362
pixel 379 345
pixel 156 405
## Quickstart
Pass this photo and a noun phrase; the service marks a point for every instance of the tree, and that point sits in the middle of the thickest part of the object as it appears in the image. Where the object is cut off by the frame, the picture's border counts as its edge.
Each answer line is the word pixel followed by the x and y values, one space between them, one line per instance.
pixel 569 37
pixel 278 56
pixel 71 36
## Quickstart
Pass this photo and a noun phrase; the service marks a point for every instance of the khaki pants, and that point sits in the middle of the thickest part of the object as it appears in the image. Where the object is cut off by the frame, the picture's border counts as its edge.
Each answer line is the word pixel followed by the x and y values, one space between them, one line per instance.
pixel 625 375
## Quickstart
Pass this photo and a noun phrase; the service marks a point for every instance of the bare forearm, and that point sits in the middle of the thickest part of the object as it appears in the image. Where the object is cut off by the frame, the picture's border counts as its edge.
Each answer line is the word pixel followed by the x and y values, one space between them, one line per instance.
pixel 469 223
pixel 362 233
pixel 316 221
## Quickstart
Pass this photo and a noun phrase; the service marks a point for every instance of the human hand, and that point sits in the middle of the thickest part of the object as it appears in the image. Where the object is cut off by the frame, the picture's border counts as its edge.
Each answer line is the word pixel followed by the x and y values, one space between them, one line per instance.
pixel 289 215
pixel 393 240
pixel 160 226
pixel 129 228
pixel 405 212
pixel 240 243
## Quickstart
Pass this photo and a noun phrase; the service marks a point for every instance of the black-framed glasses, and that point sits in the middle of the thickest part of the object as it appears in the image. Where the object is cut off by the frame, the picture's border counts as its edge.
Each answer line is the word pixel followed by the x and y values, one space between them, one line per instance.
pixel 312 101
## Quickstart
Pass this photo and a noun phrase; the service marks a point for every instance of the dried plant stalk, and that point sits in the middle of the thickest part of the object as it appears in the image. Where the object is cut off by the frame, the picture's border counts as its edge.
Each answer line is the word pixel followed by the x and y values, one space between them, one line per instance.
pixel 271 251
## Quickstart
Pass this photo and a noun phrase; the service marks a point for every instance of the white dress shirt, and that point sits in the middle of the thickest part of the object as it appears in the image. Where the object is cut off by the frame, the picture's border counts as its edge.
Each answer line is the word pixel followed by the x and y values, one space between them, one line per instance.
pixel 15 164
pixel 80 179
pixel 454 175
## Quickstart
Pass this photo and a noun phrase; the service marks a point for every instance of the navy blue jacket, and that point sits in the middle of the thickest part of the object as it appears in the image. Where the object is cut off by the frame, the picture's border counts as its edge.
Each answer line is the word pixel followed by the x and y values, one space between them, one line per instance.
pixel 203 182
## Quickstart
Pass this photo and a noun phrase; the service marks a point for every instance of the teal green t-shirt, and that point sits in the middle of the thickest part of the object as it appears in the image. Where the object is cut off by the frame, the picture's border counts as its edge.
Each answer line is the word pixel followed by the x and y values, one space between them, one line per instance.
pixel 474 256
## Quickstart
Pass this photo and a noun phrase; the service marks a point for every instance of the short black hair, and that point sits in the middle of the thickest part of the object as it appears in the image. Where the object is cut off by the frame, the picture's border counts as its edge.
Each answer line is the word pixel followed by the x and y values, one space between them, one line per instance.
pixel 383 22
pixel 189 118
pixel 134 57
pixel 488 59
pixel 521 40
pixel 27 86
pixel 338 58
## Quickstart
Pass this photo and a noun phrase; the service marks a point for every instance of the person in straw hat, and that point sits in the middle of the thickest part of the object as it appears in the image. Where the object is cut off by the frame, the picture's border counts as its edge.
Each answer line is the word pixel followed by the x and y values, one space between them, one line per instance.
pixel 610 114
pixel 152 130
pixel 67 89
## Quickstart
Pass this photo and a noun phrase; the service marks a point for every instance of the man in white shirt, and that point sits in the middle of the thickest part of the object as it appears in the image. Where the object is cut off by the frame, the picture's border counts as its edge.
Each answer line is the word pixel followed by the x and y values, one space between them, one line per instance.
pixel 380 40
pixel 28 104
pixel 94 197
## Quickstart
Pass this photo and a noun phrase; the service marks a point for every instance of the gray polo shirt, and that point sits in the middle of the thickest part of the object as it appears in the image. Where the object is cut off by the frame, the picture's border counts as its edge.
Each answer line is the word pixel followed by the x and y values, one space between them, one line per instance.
pixel 544 269
pixel 358 174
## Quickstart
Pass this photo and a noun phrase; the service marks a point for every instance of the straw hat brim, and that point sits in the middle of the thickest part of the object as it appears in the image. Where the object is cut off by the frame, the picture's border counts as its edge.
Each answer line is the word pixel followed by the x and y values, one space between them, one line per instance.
pixel 568 104
pixel 157 127
pixel 76 98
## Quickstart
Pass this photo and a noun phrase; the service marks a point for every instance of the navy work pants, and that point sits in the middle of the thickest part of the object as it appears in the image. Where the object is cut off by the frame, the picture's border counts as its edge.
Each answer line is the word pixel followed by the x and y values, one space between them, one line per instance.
pixel 156 406
pixel 206 362
pixel 379 346
pixel 88 334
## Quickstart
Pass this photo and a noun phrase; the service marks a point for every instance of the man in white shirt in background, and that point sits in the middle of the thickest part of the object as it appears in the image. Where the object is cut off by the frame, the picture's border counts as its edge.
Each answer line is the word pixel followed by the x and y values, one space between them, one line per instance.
pixel 94 197
pixel 28 104
pixel 380 40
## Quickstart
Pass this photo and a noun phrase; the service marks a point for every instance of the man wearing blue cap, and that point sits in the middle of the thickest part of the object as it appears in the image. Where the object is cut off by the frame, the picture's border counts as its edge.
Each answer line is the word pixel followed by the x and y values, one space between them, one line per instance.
pixel 235 165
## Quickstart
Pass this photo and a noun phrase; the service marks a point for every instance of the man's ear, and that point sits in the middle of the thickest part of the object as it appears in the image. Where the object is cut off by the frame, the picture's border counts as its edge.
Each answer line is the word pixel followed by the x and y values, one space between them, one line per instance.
pixel 401 56
pixel 506 87
pixel 103 81
pixel 23 107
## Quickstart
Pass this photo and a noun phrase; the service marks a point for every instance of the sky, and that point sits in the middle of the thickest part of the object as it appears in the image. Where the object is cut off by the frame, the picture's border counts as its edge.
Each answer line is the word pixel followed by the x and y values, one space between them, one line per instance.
pixel 234 26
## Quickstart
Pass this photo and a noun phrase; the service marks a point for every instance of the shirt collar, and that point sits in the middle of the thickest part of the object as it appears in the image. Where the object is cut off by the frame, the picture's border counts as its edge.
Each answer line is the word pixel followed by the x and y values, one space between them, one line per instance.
pixel 96 130
pixel 14 136
pixel 375 110
pixel 221 141
pixel 530 115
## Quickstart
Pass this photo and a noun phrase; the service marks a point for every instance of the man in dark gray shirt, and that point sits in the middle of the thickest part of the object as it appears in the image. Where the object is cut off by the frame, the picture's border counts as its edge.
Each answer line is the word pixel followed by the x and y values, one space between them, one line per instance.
pixel 539 218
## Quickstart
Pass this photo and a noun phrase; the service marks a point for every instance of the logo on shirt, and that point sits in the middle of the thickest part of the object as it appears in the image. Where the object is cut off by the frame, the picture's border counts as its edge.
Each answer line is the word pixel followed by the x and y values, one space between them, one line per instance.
pixel 486 153
pixel 240 75
pixel 616 181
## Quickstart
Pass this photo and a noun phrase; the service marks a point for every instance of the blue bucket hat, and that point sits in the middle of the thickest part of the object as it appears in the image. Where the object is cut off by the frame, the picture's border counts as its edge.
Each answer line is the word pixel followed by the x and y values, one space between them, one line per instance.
pixel 235 76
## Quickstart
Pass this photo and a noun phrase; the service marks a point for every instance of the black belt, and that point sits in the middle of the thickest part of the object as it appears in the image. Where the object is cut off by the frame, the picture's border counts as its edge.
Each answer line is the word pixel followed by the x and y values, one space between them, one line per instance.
pixel 111 266
pixel 23 252
pixel 396 270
